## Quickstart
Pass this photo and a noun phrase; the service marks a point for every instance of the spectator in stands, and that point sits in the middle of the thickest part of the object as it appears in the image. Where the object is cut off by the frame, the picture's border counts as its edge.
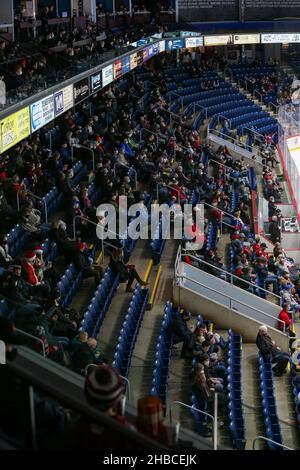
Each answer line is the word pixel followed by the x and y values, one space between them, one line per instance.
pixel 41 288
pixel 287 295
pixel 31 221
pixel 17 79
pixel 178 328
pixel 127 273
pixel 5 258
pixel 22 295
pixel 271 352
pixel 83 263
pixel 287 326
pixel 104 390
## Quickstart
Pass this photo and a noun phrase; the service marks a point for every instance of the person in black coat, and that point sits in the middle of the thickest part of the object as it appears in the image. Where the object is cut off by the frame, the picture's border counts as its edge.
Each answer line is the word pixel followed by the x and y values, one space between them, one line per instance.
pixel 271 352
pixel 178 327
pixel 127 272
pixel 82 263
pixel 274 230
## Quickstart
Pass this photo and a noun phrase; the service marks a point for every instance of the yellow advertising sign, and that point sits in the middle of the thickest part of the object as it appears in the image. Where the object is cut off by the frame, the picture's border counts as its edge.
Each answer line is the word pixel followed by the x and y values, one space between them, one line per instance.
pixel 14 128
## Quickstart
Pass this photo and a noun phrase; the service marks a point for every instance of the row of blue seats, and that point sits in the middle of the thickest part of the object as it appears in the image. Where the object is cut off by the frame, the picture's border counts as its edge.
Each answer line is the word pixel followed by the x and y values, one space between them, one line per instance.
pixel 248 108
pixel 242 113
pixel 219 108
pixel 239 100
pixel 69 284
pixel 130 329
pixel 194 81
pixel 252 178
pixel 247 117
pixel 212 236
pixel 257 123
pixel 296 391
pixel 164 346
pixel 158 242
pixel 97 309
pixel 272 425
pixel 234 388
pixel 224 86
pixel 216 98
pixel 17 237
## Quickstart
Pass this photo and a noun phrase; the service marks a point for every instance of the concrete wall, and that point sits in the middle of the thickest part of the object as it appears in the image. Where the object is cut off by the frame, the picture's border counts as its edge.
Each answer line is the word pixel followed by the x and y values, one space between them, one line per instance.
pixel 223 317
pixel 229 295
pixel 236 151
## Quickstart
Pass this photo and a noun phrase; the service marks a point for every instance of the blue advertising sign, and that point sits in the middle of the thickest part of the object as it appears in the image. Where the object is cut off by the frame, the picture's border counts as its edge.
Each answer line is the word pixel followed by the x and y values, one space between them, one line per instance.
pixel 174 44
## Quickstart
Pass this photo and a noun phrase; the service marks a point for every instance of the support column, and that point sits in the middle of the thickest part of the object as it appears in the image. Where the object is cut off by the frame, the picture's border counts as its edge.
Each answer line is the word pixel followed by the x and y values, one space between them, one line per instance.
pixel 89 8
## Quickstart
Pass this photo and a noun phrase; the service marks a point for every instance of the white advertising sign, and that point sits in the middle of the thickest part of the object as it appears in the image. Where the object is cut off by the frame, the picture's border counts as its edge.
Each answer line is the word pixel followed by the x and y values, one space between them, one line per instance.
pixel 107 75
pixel 42 112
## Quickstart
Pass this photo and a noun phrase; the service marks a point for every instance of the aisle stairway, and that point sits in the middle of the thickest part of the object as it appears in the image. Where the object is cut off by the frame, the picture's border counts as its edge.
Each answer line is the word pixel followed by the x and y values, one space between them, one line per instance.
pixel 141 370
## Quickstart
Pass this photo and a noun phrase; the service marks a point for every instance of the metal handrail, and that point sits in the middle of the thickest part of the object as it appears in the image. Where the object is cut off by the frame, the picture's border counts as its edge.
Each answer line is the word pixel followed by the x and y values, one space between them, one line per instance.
pixel 184 276
pixel 275 106
pixel 256 92
pixel 178 96
pixel 36 197
pixel 225 119
pixel 254 132
pixel 231 275
pixel 220 164
pixel 96 225
pixel 214 419
pixel 262 438
pixel 223 212
pixel 235 142
pixel 150 132
pixel 33 337
pixel 201 108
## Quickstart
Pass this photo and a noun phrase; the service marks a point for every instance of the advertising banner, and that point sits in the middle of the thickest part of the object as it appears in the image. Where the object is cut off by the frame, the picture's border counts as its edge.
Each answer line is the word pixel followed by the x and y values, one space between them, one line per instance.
pixel 246 39
pixel 96 81
pixel 133 61
pixel 145 54
pixel 162 46
pixel 107 75
pixel 194 42
pixel 118 69
pixel 140 57
pixel 223 40
pixel 283 38
pixel 14 128
pixel 156 48
pixel 81 90
pixel 63 100
pixel 173 44
pixel 41 112
pixel 126 64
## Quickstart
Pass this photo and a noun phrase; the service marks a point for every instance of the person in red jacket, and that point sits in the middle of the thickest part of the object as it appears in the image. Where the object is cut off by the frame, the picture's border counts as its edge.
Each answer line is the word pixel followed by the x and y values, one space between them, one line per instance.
pixel 39 288
pixel 29 268
pixel 284 316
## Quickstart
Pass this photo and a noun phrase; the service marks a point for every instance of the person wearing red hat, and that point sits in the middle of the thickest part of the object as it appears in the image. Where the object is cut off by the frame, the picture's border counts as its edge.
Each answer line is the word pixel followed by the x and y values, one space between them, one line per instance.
pixel 28 267
pixel 40 288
